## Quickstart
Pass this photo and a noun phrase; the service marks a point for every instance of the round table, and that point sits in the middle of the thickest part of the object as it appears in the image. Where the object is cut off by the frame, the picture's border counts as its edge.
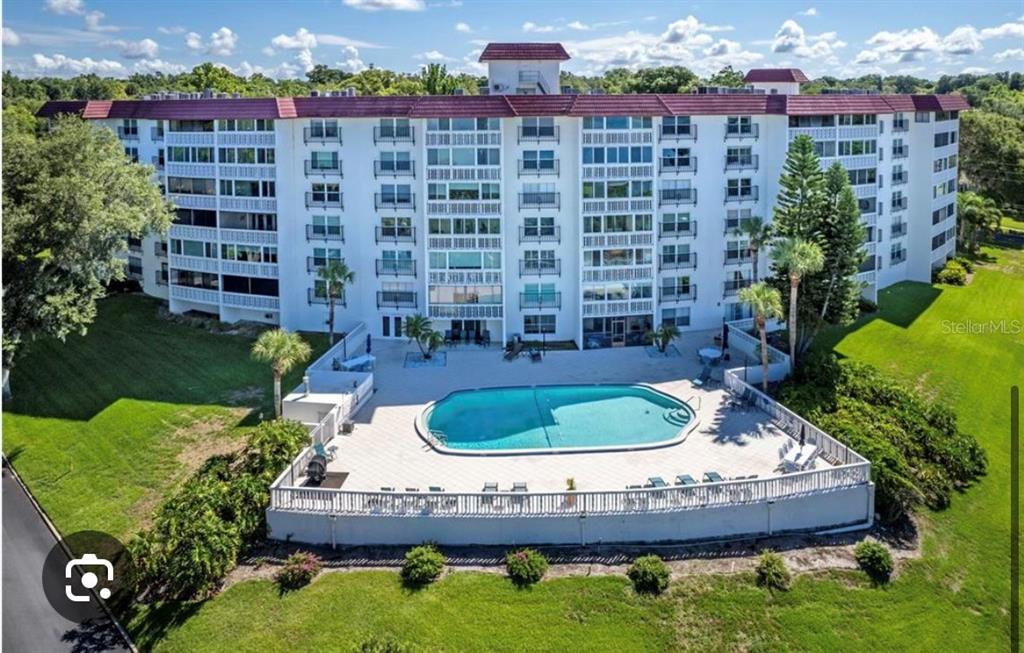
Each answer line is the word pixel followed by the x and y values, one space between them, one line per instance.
pixel 710 354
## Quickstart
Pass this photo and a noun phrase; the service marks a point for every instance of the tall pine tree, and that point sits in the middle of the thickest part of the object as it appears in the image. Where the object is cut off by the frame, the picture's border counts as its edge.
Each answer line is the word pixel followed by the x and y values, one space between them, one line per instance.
pixel 801 191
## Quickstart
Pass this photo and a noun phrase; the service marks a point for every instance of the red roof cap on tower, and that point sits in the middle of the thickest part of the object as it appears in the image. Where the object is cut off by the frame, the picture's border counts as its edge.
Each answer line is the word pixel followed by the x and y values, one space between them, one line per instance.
pixel 775 75
pixel 524 52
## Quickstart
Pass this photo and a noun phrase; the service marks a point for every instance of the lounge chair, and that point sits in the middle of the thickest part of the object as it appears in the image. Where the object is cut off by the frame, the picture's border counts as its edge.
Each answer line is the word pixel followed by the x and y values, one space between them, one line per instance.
pixel 513 352
pixel 490 487
pixel 685 479
pixel 656 481
pixel 535 356
pixel 705 376
pixel 713 477
pixel 436 488
pixel 385 488
pixel 633 487
pixel 519 487
pixel 327 452
pixel 447 336
pixel 412 489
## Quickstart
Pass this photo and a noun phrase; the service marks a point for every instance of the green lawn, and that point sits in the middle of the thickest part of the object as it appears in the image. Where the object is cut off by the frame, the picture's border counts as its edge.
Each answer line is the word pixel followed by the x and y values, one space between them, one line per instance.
pixel 1012 224
pixel 101 427
pixel 954 599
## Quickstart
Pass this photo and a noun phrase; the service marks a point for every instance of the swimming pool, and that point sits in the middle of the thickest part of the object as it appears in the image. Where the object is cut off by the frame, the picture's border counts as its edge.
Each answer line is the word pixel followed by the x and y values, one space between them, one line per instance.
pixel 563 417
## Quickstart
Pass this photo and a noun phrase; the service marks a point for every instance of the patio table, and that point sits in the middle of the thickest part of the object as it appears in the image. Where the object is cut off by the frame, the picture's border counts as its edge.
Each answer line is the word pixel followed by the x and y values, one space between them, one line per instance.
pixel 798 456
pixel 710 354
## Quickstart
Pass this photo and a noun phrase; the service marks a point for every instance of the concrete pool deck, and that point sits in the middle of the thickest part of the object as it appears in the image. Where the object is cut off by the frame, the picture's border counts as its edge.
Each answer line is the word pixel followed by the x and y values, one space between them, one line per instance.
pixel 384 449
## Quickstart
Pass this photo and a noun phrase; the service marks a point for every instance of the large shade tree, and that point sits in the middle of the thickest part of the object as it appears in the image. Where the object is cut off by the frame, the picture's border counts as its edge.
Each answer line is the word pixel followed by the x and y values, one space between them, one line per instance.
pixel 283 350
pixel 70 198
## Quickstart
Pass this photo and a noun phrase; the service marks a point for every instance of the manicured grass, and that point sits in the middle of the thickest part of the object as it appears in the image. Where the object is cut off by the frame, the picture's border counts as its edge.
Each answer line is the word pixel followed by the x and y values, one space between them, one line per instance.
pixel 1012 224
pixel 101 427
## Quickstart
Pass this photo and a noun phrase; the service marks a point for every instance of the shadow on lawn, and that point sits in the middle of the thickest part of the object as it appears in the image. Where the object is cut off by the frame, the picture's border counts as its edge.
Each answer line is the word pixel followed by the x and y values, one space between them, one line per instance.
pixel 159 620
pixel 900 305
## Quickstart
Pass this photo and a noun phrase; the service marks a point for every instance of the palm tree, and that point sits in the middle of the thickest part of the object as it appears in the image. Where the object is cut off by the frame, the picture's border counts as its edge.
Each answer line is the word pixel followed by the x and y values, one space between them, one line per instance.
pixel 766 303
pixel 758 234
pixel 432 340
pixel 335 275
pixel 283 350
pixel 663 336
pixel 436 80
pixel 417 327
pixel 977 215
pixel 798 257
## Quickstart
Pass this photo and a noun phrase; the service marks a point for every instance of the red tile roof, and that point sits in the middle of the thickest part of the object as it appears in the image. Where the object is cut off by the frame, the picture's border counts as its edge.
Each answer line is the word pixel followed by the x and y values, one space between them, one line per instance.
pixel 481 106
pixel 524 52
pixel 775 75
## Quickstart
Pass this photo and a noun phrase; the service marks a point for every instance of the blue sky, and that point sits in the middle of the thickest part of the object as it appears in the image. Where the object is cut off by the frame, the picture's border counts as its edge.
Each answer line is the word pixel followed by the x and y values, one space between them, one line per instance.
pixel 283 39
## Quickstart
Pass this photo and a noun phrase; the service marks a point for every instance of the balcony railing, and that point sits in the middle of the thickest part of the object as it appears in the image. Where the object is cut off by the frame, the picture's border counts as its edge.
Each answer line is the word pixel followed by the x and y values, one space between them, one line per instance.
pixel 314 263
pixel 395 234
pixel 900 177
pixel 160 248
pixel 742 162
pixel 540 267
pixel 405 134
pixel 540 234
pixel 898 257
pixel 396 299
pixel 539 134
pixel 160 277
pixel 676 230
pixel 898 229
pixel 325 232
pixel 673 196
pixel 156 134
pixel 677 166
pixel 540 300
pixel 537 168
pixel 676 133
pixel 677 293
pixel 313 169
pixel 898 204
pixel 157 163
pixel 324 200
pixel 733 286
pixel 313 298
pixel 900 125
pixel 900 152
pixel 310 135
pixel 396 268
pixel 394 169
pixel 679 261
pixel 543 200
pixel 741 194
pixel 738 131
pixel 128 134
pixel 735 257
pixel 394 202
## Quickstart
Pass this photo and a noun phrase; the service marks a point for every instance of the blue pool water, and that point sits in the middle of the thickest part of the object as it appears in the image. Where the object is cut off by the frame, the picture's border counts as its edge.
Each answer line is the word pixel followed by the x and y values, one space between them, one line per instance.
pixel 554 417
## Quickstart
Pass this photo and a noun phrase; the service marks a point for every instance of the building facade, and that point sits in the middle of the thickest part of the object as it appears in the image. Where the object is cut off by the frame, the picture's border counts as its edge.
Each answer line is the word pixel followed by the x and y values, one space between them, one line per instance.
pixel 526 211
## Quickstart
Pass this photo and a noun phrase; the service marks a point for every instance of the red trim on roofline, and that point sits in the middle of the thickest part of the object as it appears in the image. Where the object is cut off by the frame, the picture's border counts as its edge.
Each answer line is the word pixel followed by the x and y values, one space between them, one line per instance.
pixel 524 52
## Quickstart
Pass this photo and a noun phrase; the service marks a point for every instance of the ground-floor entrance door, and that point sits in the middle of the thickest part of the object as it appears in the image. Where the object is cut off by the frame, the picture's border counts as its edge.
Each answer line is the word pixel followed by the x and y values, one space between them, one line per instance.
pixel 618 332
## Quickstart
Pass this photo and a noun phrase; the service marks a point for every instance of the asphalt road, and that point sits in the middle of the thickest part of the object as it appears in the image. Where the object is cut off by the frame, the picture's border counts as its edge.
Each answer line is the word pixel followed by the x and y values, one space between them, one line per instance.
pixel 30 625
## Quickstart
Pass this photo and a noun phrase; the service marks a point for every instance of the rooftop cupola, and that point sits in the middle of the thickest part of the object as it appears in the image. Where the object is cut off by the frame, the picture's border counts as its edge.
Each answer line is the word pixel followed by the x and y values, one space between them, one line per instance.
pixel 781 81
pixel 523 68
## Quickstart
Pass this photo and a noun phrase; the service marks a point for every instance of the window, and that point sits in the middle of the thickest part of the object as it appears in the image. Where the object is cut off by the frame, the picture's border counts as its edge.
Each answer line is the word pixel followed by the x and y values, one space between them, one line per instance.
pixel 538 127
pixel 245 125
pixel 739 156
pixel 488 156
pixel 738 125
pixel 132 153
pixel 857 148
pixel 679 317
pixel 179 154
pixel 858 119
pixel 537 227
pixel 395 128
pixel 190 125
pixel 323 160
pixel 190 186
pixel 193 248
pixel 922 116
pixel 321 255
pixel 396 193
pixel 676 126
pixel 862 176
pixel 326 193
pixel 812 121
pixel 825 148
pixel 327 225
pixel 617 122
pixel 675 157
pixel 539 160
pixel 739 188
pixel 396 227
pixel 537 324
pixel 676 224
pixel 945 138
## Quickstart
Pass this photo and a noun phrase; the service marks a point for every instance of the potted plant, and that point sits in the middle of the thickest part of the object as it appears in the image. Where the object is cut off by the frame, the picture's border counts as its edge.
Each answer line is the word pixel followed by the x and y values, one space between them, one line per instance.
pixel 570 486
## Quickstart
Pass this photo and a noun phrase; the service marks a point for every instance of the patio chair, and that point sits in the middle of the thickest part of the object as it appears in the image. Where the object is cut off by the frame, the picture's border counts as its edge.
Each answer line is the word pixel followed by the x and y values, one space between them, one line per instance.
pixel 705 375
pixel 447 336
pixel 713 477
pixel 328 453
pixel 656 481
pixel 519 487
pixel 535 356
pixel 514 351
pixel 685 479
pixel 435 488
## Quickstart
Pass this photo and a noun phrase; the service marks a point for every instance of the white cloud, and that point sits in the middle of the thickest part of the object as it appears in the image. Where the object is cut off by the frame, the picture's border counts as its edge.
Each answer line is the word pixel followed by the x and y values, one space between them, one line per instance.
pixel 578 26
pixel 65 7
pixel 463 27
pixel 433 55
pixel 144 49
pixel 174 29
pixel 221 44
pixel 285 70
pixel 351 62
pixel 393 5
pixel 691 32
pixel 1012 53
pixel 60 65
pixel 722 47
pixel 810 11
pixel 159 66
pixel 344 41
pixel 269 51
pixel 305 59
pixel 791 38
pixel 911 44
pixel 962 40
pixel 1006 30
pixel 10 38
pixel 92 23
pixel 529 26
pixel 303 39
pixel 973 70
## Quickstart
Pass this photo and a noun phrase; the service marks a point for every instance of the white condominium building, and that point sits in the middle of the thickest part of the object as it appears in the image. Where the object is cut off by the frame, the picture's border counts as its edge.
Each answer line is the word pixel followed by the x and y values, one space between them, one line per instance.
pixel 527 211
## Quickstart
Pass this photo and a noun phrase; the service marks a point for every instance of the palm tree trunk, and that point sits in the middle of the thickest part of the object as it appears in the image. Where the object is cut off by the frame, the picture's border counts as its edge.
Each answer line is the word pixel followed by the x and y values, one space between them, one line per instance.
pixel 753 255
pixel 794 284
pixel 764 353
pixel 277 394
pixel 330 317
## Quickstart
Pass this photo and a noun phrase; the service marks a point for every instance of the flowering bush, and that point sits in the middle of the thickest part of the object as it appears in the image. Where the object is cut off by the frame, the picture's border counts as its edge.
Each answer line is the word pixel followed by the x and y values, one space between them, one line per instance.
pixel 299 569
pixel 525 566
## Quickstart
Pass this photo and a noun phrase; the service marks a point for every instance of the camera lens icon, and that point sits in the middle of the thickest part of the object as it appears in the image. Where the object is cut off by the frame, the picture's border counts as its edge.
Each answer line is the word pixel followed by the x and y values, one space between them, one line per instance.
pixel 83 572
pixel 91 580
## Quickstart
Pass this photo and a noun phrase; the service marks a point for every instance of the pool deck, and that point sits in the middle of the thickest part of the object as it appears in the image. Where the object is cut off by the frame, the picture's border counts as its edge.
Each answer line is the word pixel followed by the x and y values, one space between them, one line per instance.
pixel 384 449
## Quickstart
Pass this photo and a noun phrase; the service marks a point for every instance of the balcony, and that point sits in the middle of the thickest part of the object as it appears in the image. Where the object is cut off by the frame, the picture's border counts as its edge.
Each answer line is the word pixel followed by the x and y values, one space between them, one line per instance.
pixel 160 277
pixel 543 200
pixel 900 125
pixel 540 267
pixel 677 165
pixel 677 196
pixel 130 134
pixel 733 286
pixel 157 163
pixel 546 234
pixel 899 178
pixel 314 263
pixel 396 268
pixel 394 202
pixel 395 234
pixel 742 162
pixel 540 300
pixel 405 134
pixel 898 257
pixel 740 194
pixel 734 132
pixel 670 294
pixel 680 261
pixel 313 298
pixel 324 200
pixel 396 299
pixel 160 248
pixel 156 134
pixel 738 257
pixel 394 169
pixel 898 229
pixel 325 232
pixel 320 135
pixel 677 230
pixel 898 204
pixel 535 168
pixel 316 169
pixel 677 133
pixel 537 134
pixel 900 152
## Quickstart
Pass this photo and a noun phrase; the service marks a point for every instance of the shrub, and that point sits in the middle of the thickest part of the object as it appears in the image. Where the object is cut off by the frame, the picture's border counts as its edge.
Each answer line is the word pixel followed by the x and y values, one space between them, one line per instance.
pixel 874 558
pixel 298 570
pixel 423 564
pixel 772 572
pixel 867 306
pixel 649 574
pixel 385 644
pixel 965 263
pixel 952 273
pixel 525 566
